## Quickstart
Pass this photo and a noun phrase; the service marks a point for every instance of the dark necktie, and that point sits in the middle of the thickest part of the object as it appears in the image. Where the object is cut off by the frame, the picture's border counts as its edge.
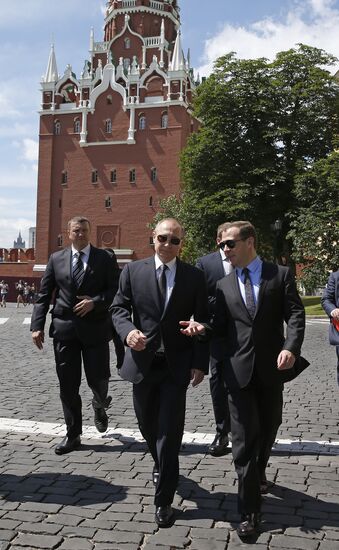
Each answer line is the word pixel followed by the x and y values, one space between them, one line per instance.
pixel 163 285
pixel 250 302
pixel 78 270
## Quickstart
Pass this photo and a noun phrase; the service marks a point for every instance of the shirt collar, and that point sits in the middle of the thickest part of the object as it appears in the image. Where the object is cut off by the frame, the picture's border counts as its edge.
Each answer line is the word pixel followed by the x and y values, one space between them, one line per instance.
pixel 223 255
pixel 158 263
pixel 85 250
pixel 253 266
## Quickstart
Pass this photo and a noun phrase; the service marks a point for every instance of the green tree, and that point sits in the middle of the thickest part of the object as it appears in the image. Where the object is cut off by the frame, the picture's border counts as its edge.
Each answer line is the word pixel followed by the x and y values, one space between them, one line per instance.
pixel 315 224
pixel 262 125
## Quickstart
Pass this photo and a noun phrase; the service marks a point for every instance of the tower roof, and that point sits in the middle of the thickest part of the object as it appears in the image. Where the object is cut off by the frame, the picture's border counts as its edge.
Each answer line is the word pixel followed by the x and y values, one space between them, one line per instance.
pixel 178 60
pixel 52 69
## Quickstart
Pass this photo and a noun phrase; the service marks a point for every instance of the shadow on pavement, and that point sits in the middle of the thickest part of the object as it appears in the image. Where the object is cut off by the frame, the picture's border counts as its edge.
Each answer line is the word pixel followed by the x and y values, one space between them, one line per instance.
pixel 59 488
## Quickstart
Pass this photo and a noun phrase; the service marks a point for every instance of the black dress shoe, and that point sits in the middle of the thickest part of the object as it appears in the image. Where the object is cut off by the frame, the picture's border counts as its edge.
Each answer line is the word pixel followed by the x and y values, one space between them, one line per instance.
pixel 248 527
pixel 100 420
pixel 67 445
pixel 164 516
pixel 219 446
pixel 155 476
pixel 265 486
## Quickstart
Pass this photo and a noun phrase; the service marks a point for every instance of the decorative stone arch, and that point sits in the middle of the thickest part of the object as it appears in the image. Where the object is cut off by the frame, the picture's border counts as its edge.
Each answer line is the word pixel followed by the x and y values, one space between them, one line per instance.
pixel 153 69
pixel 126 28
pixel 108 80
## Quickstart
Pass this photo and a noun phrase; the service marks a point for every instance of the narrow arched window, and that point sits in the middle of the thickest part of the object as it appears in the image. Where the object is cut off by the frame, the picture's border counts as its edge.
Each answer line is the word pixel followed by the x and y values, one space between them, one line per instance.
pixel 77 127
pixel 164 120
pixel 127 43
pixel 150 202
pixel 57 128
pixel 94 176
pixel 154 175
pixel 132 175
pixel 127 63
pixel 142 122
pixel 59 240
pixel 113 175
pixel 64 177
pixel 108 126
pixel 108 202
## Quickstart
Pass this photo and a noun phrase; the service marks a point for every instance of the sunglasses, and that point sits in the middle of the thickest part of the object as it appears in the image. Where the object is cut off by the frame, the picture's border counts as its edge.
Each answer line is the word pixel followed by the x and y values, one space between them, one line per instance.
pixel 230 243
pixel 165 238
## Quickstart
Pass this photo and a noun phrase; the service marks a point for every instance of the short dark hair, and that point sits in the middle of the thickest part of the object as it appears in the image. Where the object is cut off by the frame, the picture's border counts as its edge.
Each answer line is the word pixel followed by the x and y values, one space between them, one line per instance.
pixel 246 230
pixel 78 219
pixel 223 227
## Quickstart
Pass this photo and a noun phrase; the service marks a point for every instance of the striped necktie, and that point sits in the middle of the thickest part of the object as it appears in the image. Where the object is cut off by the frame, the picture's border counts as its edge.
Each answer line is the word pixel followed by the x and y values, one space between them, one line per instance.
pixel 250 302
pixel 78 270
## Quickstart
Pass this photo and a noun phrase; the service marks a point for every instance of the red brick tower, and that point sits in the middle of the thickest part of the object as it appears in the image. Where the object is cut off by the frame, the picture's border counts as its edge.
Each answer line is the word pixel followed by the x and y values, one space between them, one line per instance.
pixel 110 140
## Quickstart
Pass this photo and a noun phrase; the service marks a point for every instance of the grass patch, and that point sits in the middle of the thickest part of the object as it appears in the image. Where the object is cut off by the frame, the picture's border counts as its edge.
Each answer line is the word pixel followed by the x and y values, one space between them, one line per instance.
pixel 312 305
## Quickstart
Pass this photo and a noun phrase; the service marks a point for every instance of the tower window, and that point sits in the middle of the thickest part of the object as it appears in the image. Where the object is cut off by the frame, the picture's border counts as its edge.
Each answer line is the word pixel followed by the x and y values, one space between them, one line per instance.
pixel 113 175
pixel 64 177
pixel 132 175
pixel 154 175
pixel 127 63
pixel 94 176
pixel 57 128
pixel 142 122
pixel 77 126
pixel 108 126
pixel 109 100
pixel 108 202
pixel 127 43
pixel 164 120
pixel 59 240
pixel 150 202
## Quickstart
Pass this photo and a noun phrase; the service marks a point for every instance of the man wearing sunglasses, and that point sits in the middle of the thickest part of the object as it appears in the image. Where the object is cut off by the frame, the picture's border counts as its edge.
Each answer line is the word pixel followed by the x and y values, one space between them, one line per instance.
pixel 252 304
pixel 154 295
pixel 216 266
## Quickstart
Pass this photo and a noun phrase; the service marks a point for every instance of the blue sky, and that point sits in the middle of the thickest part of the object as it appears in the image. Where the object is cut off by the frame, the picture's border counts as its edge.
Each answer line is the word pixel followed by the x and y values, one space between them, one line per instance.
pixel 253 28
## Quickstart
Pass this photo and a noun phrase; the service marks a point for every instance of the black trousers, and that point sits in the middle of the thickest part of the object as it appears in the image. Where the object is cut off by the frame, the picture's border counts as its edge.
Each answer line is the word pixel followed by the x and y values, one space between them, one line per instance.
pixel 68 358
pixel 159 405
pixel 219 398
pixel 256 414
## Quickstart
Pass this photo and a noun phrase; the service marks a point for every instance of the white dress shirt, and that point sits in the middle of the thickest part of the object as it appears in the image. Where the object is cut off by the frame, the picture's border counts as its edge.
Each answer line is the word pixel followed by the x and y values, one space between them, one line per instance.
pixel 84 256
pixel 169 273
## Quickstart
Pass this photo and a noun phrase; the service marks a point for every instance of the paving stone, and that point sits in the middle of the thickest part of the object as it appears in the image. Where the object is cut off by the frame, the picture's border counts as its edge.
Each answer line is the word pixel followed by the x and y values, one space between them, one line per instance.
pixel 76 544
pixel 38 541
pixel 41 528
pixel 117 537
pixel 283 541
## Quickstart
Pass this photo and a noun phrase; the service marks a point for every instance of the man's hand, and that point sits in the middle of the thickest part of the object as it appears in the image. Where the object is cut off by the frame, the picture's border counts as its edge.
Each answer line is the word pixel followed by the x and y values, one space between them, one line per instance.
pixel 136 340
pixel 85 306
pixel 197 376
pixel 192 328
pixel 335 313
pixel 38 337
pixel 286 360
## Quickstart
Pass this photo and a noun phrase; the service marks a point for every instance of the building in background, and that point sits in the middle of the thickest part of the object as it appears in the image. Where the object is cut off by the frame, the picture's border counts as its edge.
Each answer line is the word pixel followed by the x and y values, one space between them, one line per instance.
pixel 110 139
pixel 19 243
pixel 31 237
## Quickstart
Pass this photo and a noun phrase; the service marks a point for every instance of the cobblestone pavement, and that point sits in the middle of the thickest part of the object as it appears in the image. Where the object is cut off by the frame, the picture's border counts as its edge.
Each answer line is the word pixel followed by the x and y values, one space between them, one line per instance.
pixel 101 497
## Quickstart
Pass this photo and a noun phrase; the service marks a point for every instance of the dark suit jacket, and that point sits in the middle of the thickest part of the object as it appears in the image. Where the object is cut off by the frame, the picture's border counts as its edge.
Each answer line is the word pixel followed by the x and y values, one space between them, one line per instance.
pixel 259 341
pixel 330 298
pixel 212 266
pixel 137 305
pixel 100 283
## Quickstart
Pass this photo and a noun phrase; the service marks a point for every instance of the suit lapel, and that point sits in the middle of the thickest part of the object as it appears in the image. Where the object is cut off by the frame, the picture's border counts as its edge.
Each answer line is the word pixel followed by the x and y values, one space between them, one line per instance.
pixel 220 273
pixel 90 265
pixel 151 281
pixel 233 279
pixel 265 276
pixel 178 284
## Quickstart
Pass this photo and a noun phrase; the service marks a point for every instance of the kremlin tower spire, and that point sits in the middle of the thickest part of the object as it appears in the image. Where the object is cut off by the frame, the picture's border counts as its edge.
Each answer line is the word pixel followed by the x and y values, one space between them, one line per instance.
pixel 110 140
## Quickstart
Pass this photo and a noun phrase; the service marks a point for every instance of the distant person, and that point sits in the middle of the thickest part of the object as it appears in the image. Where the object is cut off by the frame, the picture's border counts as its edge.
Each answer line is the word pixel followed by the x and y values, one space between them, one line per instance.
pixel 20 292
pixel 83 280
pixel 153 295
pixel 330 303
pixel 3 293
pixel 26 294
pixel 31 295
pixel 252 304
pixel 216 266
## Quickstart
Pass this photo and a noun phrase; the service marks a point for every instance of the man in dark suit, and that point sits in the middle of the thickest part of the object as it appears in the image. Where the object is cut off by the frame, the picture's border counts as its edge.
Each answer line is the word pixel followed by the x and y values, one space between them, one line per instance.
pixel 252 304
pixel 216 266
pixel 330 303
pixel 83 281
pixel 153 296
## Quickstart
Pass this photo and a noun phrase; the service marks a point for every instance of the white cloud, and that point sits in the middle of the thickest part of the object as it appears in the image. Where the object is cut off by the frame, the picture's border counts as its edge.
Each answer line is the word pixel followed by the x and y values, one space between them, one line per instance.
pixel 30 150
pixel 20 176
pixel 312 22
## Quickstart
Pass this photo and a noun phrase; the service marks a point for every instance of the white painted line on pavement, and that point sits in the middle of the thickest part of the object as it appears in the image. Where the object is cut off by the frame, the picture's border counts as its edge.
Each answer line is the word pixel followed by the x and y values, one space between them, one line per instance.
pixel 26 321
pixel 30 427
pixel 3 320
pixel 317 321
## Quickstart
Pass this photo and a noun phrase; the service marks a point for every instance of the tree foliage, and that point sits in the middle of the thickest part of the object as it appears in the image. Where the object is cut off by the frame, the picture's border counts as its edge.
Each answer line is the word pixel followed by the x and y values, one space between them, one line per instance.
pixel 263 125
